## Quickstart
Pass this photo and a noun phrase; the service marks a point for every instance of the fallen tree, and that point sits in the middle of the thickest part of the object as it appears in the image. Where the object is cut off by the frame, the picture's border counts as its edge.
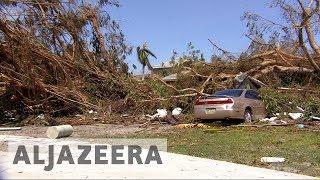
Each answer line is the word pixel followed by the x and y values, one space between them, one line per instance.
pixel 55 59
pixel 52 51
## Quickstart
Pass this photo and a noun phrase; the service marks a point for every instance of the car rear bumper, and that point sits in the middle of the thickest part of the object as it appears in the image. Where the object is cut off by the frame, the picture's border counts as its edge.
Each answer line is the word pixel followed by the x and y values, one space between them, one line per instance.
pixel 200 113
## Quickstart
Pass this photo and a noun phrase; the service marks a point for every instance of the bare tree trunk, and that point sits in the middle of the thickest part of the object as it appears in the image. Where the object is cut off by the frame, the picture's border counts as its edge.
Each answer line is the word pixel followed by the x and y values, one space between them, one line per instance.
pixel 94 18
pixel 306 24
pixel 143 67
pixel 309 30
pixel 304 48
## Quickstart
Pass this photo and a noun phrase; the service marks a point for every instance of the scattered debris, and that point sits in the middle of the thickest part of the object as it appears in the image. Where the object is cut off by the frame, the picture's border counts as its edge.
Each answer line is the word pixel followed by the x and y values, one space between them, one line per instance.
pixel 247 125
pixel 243 81
pixel 55 132
pixel 282 114
pixel 191 125
pixel 41 116
pixel 183 126
pixel 95 119
pixel 200 125
pixel 63 80
pixel 300 126
pixel 283 122
pixel 10 128
pixel 300 109
pixel 176 111
pixel 272 119
pixel 263 125
pixel 295 116
pixel 315 118
pixel 125 115
pixel 161 113
pixel 276 162
pixel 170 119
pixel 272 159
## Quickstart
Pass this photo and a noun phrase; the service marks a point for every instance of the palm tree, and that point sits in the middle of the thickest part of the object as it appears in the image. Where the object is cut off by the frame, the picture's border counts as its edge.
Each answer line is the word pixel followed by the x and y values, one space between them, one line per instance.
pixel 143 54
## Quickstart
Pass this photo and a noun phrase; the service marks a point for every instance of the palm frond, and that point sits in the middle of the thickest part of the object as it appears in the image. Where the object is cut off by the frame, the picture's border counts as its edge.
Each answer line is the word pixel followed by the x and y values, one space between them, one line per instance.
pixel 149 52
pixel 140 58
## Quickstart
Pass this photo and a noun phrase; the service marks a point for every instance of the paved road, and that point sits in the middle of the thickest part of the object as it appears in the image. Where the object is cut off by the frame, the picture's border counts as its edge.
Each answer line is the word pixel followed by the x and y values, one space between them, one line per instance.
pixel 174 166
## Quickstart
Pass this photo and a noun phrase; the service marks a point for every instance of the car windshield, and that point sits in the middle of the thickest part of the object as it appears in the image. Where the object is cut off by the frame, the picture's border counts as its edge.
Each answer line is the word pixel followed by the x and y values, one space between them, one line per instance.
pixel 229 92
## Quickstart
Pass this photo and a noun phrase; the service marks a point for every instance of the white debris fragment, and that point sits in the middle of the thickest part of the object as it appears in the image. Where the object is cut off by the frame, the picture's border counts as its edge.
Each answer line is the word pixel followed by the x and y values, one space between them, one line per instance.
pixel 125 115
pixel 269 119
pixel 40 116
pixel 284 122
pixel 176 111
pixel 91 111
pixel 295 116
pixel 10 128
pixel 273 118
pixel 162 113
pixel 147 116
pixel 281 114
pixel 315 118
pixel 300 126
pixel 300 109
pixel 273 159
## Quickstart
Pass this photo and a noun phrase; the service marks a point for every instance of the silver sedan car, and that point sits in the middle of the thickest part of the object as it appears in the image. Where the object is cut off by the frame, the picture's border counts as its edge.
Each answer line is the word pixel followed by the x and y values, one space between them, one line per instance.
pixel 230 104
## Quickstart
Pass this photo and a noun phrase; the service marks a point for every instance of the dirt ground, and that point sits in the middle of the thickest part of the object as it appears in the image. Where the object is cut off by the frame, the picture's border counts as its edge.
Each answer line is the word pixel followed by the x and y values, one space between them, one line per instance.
pixel 90 131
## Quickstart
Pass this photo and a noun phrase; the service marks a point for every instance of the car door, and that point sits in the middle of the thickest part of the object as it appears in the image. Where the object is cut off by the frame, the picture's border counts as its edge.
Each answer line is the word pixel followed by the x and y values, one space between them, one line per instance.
pixel 261 107
pixel 254 103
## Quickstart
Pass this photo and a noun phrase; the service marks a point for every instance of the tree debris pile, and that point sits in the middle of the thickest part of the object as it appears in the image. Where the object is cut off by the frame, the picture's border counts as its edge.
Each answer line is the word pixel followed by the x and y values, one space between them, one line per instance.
pixel 67 57
pixel 56 55
pixel 272 70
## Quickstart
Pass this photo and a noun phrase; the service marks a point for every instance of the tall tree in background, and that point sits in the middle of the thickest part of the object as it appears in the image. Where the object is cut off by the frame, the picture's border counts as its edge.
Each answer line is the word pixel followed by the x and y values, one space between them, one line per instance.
pixel 297 33
pixel 143 57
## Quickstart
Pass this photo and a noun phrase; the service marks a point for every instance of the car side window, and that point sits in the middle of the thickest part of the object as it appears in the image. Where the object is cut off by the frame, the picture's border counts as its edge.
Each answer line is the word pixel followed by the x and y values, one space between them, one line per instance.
pixel 252 95
pixel 248 95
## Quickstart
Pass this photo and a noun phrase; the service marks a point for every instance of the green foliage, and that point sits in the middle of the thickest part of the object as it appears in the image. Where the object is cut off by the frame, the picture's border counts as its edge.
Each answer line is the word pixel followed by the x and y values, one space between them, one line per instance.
pixel 287 101
pixel 312 107
pixel 275 101
pixel 187 57
pixel 159 89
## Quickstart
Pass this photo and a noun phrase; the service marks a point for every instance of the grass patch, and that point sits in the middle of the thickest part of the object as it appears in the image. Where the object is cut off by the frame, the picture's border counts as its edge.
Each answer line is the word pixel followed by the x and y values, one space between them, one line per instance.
pixel 247 145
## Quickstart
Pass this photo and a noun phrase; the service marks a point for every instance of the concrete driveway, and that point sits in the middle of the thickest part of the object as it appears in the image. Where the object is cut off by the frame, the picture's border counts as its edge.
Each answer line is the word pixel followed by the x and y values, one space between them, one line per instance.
pixel 175 166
